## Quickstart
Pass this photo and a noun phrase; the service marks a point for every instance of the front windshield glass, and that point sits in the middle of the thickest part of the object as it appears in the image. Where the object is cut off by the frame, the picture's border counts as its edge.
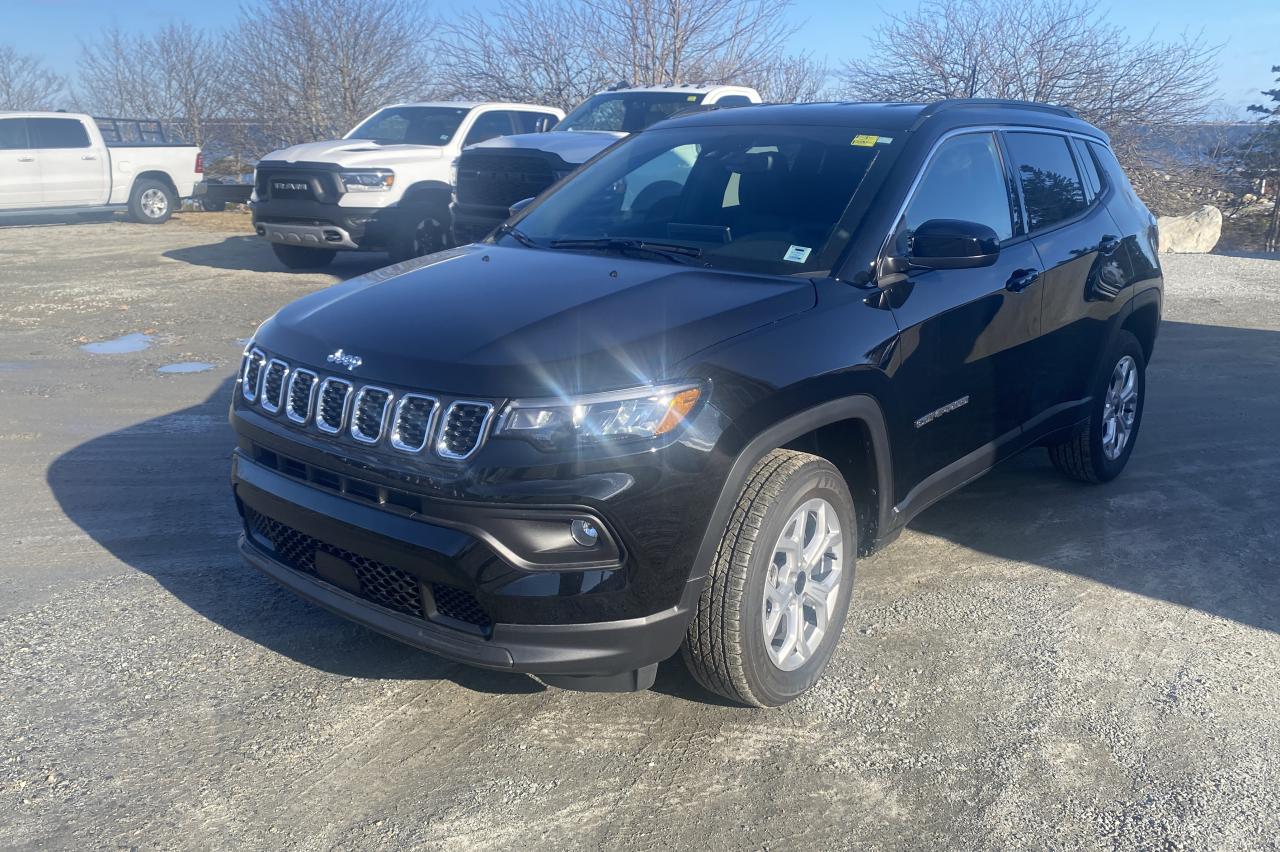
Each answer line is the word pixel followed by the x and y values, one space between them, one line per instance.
pixel 626 112
pixel 761 199
pixel 411 125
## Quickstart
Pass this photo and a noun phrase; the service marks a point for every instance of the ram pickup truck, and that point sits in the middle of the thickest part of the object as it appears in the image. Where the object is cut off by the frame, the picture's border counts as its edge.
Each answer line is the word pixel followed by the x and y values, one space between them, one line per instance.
pixel 55 161
pixel 385 186
pixel 496 175
pixel 668 406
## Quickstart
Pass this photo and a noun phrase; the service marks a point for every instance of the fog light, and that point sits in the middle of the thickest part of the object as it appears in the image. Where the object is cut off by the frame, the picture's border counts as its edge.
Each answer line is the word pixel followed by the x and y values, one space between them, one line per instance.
pixel 584 533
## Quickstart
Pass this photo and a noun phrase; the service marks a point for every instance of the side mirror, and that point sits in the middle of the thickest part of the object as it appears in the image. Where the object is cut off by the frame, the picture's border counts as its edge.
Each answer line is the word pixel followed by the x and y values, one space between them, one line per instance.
pixel 953 244
pixel 519 205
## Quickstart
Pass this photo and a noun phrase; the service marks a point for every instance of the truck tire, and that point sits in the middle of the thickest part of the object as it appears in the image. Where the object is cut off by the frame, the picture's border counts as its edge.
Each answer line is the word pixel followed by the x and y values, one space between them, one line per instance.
pixel 426 230
pixel 151 201
pixel 297 257
pixel 209 206
pixel 777 594
pixel 1097 450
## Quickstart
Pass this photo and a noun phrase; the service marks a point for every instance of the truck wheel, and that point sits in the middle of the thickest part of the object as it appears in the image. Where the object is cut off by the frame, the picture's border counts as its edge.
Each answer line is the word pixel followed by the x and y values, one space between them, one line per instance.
pixel 427 232
pixel 1096 451
pixel 297 257
pixel 777 594
pixel 212 206
pixel 151 202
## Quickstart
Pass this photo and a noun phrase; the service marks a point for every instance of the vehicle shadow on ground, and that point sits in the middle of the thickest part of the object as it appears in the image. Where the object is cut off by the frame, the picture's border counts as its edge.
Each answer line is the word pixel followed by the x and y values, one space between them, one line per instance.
pixel 253 253
pixel 46 220
pixel 1192 521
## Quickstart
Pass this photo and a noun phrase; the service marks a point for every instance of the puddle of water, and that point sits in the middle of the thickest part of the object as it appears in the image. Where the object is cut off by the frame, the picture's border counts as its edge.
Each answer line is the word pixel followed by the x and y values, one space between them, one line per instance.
pixel 129 343
pixel 13 366
pixel 186 367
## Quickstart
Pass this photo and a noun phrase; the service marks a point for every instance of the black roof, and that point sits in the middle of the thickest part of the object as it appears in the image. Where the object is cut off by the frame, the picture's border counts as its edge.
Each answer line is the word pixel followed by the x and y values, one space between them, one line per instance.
pixel 895 117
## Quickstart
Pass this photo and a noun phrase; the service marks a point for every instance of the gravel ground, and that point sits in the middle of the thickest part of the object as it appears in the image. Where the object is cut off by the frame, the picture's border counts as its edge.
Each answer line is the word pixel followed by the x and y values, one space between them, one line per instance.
pixel 1034 664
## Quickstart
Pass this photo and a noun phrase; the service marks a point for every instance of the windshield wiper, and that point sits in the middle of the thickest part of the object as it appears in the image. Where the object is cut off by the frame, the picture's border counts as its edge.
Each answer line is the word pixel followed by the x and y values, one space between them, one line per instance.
pixel 671 251
pixel 521 237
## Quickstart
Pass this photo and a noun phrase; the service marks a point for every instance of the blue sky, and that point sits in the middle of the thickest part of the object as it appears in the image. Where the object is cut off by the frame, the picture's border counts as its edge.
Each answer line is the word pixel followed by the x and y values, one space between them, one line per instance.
pixel 835 29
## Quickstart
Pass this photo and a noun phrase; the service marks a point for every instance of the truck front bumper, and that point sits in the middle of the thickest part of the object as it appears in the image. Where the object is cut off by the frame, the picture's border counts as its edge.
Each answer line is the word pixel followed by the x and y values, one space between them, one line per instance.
pixel 307 236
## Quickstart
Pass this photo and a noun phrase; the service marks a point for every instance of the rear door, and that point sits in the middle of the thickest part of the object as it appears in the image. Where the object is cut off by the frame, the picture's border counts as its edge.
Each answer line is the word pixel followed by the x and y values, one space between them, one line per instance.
pixel 19 168
pixel 966 333
pixel 72 169
pixel 1077 241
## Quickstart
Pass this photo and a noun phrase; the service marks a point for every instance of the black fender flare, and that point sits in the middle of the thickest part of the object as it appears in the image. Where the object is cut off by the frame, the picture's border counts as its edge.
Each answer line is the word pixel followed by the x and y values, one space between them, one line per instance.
pixel 860 407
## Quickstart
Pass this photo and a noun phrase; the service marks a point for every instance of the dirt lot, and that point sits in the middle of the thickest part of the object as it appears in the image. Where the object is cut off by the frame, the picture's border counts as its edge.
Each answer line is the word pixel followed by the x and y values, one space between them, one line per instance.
pixel 1035 664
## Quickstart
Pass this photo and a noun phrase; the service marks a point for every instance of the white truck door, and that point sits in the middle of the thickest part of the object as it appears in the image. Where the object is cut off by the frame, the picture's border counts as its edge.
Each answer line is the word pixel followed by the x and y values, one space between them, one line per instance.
pixel 73 169
pixel 19 169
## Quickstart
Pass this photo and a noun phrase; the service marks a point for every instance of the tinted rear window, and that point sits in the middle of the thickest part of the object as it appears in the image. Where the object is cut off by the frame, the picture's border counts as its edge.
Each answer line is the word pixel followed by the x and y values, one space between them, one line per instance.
pixel 58 133
pixel 1051 186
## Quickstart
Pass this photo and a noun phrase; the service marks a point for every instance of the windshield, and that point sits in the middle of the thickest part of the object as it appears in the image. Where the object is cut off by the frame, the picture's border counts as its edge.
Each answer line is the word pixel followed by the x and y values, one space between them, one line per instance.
pixel 411 125
pixel 760 199
pixel 626 112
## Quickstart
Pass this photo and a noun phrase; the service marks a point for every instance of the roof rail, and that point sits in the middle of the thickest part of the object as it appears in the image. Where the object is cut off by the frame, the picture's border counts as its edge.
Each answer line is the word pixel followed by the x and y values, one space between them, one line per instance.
pixel 960 103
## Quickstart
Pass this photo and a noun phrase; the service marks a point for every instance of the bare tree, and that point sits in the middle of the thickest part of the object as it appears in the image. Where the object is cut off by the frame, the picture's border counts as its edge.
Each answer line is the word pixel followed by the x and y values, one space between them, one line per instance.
pixel 311 69
pixel 25 83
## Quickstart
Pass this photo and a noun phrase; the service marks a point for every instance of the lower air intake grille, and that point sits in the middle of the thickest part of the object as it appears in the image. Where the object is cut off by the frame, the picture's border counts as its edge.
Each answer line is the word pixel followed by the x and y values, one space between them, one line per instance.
pixel 463 428
pixel 380 583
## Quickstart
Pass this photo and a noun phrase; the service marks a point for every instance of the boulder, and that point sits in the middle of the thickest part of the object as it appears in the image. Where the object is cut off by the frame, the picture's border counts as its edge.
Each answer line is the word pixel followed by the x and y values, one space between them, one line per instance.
pixel 1195 233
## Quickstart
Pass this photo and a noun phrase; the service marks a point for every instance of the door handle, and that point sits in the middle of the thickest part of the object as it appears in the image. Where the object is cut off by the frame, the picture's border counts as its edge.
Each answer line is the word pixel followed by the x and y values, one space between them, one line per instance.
pixel 1021 279
pixel 1108 245
pixel 26 159
pixel 89 157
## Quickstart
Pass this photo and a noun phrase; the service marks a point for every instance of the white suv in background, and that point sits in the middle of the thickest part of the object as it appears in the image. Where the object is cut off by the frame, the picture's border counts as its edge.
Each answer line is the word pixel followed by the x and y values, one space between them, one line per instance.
pixel 385 186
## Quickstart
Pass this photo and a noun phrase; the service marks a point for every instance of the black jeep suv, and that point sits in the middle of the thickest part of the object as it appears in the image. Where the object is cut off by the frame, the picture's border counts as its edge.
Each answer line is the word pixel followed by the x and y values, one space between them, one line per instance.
pixel 668 404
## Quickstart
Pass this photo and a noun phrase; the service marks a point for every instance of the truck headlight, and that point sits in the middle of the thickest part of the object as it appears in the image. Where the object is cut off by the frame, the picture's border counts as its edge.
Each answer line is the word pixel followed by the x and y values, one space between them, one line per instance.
pixel 644 412
pixel 376 180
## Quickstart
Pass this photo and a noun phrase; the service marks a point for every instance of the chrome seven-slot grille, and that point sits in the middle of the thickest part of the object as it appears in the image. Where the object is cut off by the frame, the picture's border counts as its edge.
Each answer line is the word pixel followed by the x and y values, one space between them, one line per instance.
pixel 409 422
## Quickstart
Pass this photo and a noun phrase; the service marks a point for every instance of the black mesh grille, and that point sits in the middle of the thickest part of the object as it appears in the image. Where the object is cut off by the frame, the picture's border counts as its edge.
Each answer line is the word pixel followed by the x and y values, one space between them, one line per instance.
pixel 253 372
pixel 333 403
pixel 300 388
pixel 380 583
pixel 413 418
pixel 371 408
pixel 500 180
pixel 273 385
pixel 461 434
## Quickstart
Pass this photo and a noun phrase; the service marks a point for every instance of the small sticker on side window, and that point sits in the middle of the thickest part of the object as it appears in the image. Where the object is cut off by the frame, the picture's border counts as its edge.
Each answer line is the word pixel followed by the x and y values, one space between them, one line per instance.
pixel 797 254
pixel 692 98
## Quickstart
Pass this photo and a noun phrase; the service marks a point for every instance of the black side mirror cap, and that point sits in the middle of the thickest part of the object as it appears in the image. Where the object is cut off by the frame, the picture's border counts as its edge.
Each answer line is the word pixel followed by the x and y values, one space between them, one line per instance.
pixel 953 244
pixel 519 205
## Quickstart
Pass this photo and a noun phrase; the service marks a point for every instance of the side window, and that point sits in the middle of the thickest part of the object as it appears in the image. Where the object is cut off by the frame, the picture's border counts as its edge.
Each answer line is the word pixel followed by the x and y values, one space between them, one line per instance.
pixel 488 126
pixel 534 122
pixel 13 134
pixel 964 180
pixel 1051 188
pixel 58 133
pixel 734 101
pixel 1093 181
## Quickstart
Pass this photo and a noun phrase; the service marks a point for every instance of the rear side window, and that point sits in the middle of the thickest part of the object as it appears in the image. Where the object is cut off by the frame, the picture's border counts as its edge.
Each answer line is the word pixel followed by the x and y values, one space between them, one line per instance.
pixel 489 126
pixel 1092 179
pixel 1051 187
pixel 964 180
pixel 13 134
pixel 734 101
pixel 535 122
pixel 58 133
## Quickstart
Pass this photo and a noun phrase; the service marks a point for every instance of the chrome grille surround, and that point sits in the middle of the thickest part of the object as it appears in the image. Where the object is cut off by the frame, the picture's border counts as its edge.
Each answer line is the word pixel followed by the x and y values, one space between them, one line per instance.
pixel 251 374
pixel 310 383
pixel 361 418
pixel 463 428
pixel 326 421
pixel 274 385
pixel 404 424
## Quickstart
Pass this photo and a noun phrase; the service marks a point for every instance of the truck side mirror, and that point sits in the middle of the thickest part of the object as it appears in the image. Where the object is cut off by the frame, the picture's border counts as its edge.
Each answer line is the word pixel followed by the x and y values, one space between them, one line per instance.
pixel 519 205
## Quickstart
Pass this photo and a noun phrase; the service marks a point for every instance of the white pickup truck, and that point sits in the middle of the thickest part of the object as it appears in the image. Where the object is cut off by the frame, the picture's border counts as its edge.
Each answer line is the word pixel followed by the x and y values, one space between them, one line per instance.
pixel 385 186
pixel 65 162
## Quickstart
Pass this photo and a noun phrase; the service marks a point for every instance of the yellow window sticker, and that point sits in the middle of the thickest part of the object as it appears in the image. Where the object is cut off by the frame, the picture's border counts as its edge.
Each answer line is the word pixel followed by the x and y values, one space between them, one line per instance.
pixel 692 97
pixel 864 141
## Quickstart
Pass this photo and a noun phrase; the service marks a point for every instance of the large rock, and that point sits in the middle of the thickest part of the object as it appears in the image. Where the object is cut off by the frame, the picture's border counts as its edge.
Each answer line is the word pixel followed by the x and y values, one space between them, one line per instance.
pixel 1195 233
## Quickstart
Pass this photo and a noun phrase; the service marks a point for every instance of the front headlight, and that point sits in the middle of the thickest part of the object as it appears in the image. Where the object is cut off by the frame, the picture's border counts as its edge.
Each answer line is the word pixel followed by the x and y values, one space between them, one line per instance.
pixel 645 412
pixel 376 180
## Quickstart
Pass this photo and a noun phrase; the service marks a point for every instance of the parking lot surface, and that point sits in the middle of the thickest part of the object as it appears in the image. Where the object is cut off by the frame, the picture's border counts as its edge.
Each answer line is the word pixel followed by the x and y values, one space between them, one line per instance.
pixel 1036 663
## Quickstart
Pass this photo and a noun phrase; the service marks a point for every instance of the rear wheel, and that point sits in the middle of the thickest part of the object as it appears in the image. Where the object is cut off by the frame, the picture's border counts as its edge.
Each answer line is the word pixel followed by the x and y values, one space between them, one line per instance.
pixel 151 202
pixel 297 257
pixel 776 598
pixel 1096 451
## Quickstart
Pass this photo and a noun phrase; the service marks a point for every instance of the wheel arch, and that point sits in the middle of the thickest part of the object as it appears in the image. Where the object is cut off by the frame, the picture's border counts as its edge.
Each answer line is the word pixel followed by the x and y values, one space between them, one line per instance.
pixel 1143 321
pixel 158 175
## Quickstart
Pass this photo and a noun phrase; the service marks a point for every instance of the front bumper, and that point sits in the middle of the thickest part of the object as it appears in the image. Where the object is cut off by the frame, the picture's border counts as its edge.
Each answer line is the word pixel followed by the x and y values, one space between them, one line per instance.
pixel 318 224
pixel 439 560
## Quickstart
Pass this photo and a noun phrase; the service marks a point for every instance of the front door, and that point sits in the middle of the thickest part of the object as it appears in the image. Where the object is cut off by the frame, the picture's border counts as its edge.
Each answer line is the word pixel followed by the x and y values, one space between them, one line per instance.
pixel 72 169
pixel 19 169
pixel 963 365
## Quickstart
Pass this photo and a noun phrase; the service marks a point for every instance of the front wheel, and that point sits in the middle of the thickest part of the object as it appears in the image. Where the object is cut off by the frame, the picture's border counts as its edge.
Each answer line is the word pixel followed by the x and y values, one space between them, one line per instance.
pixel 1097 450
pixel 151 202
pixel 426 232
pixel 777 595
pixel 297 257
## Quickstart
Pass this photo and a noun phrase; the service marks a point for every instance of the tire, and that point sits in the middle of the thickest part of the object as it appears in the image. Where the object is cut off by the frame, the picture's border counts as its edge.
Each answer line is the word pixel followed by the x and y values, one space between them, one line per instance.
pixel 212 206
pixel 426 232
pixel 1090 453
pixel 297 257
pixel 151 202
pixel 725 646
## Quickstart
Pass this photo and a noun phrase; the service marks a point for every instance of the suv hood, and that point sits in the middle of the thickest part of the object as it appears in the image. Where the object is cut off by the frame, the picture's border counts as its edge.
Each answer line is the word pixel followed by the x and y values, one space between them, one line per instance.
pixel 500 322
pixel 573 146
pixel 358 153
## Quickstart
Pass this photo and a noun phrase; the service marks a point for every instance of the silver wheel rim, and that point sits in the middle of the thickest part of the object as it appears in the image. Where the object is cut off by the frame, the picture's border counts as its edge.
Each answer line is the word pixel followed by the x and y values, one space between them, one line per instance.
pixel 802 584
pixel 1120 409
pixel 154 203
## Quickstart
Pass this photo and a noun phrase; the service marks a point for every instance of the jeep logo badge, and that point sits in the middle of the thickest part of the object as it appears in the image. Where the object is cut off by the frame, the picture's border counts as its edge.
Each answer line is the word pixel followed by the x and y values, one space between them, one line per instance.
pixel 342 359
